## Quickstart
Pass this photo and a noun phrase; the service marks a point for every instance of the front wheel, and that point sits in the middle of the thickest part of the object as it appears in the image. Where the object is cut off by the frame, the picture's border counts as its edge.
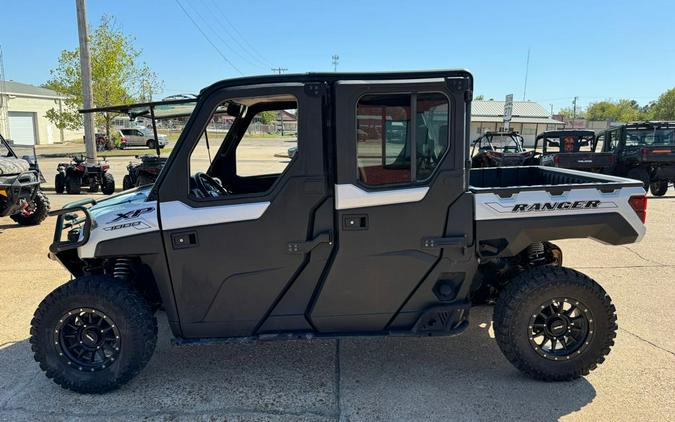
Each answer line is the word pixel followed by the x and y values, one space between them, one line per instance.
pixel 554 323
pixel 60 183
pixel 659 188
pixel 151 143
pixel 35 213
pixel 93 334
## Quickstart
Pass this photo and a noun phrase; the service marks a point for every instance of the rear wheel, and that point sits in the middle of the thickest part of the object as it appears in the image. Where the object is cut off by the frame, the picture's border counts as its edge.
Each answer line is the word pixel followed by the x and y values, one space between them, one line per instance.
pixel 641 175
pixel 659 188
pixel 60 183
pixel 108 184
pixel 93 334
pixel 73 184
pixel 554 323
pixel 151 143
pixel 36 211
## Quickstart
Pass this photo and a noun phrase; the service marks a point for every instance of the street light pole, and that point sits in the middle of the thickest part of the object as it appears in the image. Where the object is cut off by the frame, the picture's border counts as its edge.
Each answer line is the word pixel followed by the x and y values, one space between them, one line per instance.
pixel 85 77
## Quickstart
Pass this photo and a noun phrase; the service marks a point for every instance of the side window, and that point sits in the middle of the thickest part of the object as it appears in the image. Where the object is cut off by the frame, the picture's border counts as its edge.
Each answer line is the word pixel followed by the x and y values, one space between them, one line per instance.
pixel 245 148
pixel 269 144
pixel 600 143
pixel 384 146
pixel 613 140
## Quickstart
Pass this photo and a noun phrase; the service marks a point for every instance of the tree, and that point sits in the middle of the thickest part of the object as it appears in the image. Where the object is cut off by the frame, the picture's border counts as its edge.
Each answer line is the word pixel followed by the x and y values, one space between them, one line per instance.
pixel 664 107
pixel 118 77
pixel 568 113
pixel 479 97
pixel 622 111
pixel 268 117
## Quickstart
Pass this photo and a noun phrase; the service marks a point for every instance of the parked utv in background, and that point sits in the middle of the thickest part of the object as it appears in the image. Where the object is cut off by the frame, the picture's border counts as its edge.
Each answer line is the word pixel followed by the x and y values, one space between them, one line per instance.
pixel 571 149
pixel 363 232
pixel 70 177
pixel 644 151
pixel 498 149
pixel 144 172
pixel 20 196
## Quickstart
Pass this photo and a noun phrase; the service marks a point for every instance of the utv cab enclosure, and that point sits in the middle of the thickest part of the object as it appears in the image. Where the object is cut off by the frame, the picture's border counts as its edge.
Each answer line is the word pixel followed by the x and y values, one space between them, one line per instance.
pixel 571 149
pixel 376 226
pixel 644 151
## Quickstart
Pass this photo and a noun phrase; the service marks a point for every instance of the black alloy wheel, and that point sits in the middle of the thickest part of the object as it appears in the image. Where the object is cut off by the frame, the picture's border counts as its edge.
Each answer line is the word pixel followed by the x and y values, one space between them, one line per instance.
pixel 87 339
pixel 561 329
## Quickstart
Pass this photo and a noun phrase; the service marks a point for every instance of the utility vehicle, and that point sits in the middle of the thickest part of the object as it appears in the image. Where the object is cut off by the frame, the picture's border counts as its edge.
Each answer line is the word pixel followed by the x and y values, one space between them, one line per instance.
pixel 354 236
pixel 143 171
pixel 497 149
pixel 20 195
pixel 644 151
pixel 572 149
pixel 141 137
pixel 70 177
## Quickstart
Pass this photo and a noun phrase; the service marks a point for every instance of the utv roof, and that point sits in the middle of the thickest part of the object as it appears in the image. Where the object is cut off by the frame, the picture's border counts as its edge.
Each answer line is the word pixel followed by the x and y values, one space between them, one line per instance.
pixel 654 124
pixel 183 106
pixel 565 132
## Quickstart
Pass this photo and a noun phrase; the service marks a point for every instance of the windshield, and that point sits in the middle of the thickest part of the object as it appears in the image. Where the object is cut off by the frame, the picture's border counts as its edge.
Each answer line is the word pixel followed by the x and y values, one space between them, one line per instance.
pixel 505 143
pixel 648 137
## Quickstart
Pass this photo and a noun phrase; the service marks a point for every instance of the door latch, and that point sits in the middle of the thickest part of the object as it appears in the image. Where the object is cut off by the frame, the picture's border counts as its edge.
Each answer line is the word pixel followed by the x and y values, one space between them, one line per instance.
pixel 184 240
pixel 304 247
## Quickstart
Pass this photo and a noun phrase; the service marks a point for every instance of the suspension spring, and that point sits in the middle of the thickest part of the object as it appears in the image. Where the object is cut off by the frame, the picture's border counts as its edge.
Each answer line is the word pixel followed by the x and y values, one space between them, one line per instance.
pixel 122 268
pixel 536 254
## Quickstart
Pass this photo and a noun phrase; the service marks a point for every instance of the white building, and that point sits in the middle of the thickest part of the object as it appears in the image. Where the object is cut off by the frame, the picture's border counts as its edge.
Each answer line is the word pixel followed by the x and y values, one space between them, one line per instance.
pixel 22 114
pixel 527 118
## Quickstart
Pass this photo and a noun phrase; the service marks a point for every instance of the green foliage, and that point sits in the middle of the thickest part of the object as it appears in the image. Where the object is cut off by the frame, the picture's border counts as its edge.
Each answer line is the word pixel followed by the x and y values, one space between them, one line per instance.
pixel 118 76
pixel 479 97
pixel 268 117
pixel 621 111
pixel 664 107
pixel 568 113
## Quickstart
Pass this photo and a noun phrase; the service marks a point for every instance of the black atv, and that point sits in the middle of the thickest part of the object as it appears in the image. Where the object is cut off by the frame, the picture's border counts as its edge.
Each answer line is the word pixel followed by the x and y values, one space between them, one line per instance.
pixel 70 177
pixel 498 149
pixel 20 196
pixel 144 172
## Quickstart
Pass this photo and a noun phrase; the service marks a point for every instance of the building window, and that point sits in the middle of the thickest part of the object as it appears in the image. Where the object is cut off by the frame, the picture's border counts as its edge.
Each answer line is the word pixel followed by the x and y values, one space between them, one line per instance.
pixel 384 148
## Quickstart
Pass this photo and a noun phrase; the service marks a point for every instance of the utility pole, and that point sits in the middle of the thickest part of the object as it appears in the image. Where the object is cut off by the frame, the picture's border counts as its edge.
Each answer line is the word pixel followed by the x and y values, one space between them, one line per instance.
pixel 551 109
pixel 335 61
pixel 85 77
pixel 4 125
pixel 527 69
pixel 574 112
pixel 280 70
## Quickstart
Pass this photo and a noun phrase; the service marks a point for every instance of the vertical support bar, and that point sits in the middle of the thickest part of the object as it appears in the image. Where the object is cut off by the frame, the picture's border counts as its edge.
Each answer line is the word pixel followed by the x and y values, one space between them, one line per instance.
pixel 85 78
pixel 154 128
pixel 413 136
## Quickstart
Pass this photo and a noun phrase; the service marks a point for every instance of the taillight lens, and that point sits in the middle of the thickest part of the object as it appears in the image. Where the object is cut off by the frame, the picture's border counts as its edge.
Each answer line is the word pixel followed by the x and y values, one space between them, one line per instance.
pixel 79 167
pixel 105 167
pixel 639 205
pixel 556 160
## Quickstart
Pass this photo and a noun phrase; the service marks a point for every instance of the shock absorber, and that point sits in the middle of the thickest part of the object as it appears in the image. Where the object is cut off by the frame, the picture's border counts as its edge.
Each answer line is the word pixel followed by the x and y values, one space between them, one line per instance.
pixel 122 268
pixel 536 254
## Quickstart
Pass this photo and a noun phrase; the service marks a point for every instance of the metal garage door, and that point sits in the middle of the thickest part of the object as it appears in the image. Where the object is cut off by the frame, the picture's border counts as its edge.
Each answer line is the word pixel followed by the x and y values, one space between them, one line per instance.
pixel 22 127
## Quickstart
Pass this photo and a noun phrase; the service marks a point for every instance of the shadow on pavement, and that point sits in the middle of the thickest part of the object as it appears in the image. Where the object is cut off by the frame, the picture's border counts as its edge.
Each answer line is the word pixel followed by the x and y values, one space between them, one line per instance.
pixel 440 378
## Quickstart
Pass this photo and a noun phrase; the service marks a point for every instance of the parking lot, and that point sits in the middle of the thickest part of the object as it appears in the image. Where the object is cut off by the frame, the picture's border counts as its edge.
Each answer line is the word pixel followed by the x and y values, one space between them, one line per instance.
pixel 447 378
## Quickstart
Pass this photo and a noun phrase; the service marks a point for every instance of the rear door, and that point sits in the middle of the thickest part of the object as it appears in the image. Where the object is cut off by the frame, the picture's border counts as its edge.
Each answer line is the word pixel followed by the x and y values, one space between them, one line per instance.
pixel 400 187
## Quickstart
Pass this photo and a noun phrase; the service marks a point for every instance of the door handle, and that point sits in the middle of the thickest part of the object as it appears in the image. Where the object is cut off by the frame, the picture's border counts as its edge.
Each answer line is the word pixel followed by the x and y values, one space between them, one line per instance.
pixel 301 247
pixel 184 240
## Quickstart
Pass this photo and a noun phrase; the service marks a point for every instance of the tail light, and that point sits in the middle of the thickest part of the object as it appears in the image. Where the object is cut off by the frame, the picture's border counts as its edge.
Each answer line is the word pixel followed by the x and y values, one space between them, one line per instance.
pixel 123 140
pixel 79 167
pixel 644 153
pixel 556 160
pixel 152 170
pixel 105 167
pixel 639 205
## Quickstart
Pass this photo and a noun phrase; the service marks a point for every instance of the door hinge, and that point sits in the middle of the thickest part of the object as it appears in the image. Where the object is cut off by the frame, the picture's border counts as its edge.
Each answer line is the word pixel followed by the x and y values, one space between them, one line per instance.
pixel 299 247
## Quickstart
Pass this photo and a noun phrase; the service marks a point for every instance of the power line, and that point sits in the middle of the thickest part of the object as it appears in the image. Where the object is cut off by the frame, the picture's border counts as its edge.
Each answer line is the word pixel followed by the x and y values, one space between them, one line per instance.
pixel 208 39
pixel 212 29
pixel 252 51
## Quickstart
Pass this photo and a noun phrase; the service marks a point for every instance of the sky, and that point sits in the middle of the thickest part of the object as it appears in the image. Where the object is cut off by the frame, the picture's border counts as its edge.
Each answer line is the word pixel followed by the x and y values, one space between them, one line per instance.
pixel 594 50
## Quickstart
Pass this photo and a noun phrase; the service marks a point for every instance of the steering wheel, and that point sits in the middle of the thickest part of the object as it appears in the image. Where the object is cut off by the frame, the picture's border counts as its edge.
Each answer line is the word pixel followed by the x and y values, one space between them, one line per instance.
pixel 208 185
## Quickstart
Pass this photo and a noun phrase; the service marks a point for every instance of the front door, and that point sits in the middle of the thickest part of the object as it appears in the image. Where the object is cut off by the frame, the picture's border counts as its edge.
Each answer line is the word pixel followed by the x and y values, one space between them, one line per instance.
pixel 247 230
pixel 403 222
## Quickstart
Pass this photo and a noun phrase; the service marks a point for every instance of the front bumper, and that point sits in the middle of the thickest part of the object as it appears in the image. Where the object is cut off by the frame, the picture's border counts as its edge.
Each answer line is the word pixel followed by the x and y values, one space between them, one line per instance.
pixel 67 218
pixel 21 190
